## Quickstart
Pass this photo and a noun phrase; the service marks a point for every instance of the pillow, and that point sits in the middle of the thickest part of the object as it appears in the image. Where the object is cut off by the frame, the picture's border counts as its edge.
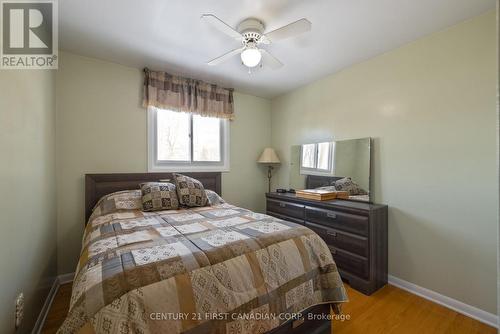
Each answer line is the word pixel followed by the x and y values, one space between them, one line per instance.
pixel 120 200
pixel 158 196
pixel 124 199
pixel 214 198
pixel 346 184
pixel 190 191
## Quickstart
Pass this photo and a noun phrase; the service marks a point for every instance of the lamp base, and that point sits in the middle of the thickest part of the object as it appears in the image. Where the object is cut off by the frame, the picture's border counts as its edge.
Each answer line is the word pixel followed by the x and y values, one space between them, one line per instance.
pixel 269 175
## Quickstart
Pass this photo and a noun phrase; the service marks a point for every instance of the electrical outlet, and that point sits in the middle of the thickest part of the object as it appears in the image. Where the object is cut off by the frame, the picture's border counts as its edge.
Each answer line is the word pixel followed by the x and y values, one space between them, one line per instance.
pixel 19 309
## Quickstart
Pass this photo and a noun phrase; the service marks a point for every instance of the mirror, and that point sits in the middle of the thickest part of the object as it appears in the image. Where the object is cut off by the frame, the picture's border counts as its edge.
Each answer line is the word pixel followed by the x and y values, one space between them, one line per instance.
pixel 340 165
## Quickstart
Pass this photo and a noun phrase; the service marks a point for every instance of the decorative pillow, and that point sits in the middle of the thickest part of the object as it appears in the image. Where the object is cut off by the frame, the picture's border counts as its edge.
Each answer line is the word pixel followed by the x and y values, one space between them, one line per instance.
pixel 158 196
pixel 190 191
pixel 214 198
pixel 346 184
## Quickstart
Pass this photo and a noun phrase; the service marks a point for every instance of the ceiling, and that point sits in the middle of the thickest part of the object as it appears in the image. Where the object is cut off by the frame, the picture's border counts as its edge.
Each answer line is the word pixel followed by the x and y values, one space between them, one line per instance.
pixel 169 35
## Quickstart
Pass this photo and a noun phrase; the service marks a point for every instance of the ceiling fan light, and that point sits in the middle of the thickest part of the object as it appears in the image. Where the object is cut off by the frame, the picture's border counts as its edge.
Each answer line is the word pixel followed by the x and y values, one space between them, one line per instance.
pixel 251 57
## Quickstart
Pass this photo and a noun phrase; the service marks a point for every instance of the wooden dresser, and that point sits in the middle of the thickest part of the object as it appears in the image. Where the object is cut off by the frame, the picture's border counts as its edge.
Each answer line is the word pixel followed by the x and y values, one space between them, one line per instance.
pixel 355 232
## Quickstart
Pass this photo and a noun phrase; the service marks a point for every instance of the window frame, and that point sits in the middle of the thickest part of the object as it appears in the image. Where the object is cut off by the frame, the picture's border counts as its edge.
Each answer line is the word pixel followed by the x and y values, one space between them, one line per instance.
pixel 155 165
pixel 316 170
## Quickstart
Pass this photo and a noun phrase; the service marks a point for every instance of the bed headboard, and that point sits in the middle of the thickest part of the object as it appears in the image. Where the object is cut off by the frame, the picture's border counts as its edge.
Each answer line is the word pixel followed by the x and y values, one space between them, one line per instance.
pixel 316 181
pixel 98 185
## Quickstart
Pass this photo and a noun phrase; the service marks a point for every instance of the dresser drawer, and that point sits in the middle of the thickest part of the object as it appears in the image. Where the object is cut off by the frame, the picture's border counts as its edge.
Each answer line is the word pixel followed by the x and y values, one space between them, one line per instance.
pixel 290 219
pixel 286 208
pixel 355 232
pixel 350 263
pixel 341 240
pixel 338 220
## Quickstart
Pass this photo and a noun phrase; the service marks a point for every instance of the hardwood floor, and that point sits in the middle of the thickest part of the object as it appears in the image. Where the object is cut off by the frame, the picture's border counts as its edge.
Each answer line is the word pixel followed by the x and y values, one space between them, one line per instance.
pixel 392 310
pixel 58 310
pixel 389 310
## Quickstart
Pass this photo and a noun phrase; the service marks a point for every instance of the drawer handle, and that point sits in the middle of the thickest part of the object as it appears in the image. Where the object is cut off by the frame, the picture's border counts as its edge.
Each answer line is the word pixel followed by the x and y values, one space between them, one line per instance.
pixel 331 215
pixel 283 205
pixel 331 233
pixel 333 250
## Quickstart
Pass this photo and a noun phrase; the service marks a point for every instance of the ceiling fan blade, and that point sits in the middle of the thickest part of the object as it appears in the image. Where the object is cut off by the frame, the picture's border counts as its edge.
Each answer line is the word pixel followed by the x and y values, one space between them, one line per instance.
pixel 264 40
pixel 270 60
pixel 290 30
pixel 225 56
pixel 222 26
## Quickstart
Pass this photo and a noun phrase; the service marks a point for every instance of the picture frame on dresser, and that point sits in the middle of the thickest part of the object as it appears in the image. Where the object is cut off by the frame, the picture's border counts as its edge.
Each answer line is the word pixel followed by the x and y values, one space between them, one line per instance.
pixel 356 234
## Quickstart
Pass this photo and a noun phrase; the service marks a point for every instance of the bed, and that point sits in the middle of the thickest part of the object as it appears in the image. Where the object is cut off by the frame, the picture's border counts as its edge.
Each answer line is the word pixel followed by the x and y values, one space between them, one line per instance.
pixel 212 269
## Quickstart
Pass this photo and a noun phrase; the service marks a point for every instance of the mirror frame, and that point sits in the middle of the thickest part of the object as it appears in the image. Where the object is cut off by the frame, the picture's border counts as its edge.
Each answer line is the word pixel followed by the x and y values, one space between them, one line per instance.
pixel 313 180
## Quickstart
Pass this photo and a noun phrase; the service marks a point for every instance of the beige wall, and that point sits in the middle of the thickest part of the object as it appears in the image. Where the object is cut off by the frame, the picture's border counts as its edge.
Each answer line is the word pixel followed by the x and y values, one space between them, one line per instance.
pixel 27 179
pixel 101 128
pixel 246 183
pixel 431 108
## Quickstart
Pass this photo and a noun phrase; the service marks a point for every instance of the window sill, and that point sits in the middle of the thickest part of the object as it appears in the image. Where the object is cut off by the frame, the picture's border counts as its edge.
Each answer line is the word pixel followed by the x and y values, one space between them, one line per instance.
pixel 184 168
pixel 315 172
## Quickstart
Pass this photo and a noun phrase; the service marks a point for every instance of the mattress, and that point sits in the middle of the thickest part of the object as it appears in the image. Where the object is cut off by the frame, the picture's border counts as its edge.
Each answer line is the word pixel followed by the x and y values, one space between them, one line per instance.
pixel 213 269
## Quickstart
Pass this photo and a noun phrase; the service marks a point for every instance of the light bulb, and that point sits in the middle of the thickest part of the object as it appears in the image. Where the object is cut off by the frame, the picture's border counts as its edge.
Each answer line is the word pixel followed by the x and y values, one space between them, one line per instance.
pixel 251 57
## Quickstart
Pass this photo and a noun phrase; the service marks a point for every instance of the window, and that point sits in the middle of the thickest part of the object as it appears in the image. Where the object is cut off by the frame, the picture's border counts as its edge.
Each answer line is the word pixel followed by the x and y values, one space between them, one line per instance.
pixel 180 141
pixel 317 159
pixel 309 156
pixel 323 161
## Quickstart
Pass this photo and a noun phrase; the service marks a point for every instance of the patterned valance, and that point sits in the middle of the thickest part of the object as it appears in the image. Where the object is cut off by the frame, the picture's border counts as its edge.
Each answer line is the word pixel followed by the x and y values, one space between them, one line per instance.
pixel 166 91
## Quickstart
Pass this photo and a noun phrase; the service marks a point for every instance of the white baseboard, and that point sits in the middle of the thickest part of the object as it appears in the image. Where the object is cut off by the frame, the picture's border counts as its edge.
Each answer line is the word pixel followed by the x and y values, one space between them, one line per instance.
pixel 58 281
pixel 46 307
pixel 458 306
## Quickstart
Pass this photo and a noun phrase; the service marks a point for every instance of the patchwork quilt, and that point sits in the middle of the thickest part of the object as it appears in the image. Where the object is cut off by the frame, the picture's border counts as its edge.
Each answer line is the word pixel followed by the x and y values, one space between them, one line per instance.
pixel 213 269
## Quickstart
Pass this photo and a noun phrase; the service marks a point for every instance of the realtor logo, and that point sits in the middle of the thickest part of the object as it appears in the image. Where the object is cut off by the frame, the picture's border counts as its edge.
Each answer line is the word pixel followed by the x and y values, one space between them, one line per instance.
pixel 29 34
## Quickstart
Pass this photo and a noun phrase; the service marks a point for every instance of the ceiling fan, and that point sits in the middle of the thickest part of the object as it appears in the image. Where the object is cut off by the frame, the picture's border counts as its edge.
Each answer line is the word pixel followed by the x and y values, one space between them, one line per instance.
pixel 251 34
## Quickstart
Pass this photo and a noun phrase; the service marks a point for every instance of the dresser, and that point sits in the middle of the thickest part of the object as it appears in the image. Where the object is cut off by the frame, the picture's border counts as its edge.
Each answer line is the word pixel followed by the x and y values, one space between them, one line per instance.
pixel 355 232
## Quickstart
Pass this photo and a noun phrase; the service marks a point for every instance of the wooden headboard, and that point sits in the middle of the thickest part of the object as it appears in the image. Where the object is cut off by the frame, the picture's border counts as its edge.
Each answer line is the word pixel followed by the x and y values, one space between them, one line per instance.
pixel 98 185
pixel 315 181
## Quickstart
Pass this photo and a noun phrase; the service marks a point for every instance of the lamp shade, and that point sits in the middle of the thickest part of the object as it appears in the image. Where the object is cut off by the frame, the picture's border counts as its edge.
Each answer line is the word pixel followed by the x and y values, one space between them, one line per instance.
pixel 269 156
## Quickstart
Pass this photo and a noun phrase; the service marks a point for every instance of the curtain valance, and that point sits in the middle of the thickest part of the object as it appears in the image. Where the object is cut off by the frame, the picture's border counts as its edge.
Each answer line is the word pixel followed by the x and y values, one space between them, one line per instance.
pixel 166 91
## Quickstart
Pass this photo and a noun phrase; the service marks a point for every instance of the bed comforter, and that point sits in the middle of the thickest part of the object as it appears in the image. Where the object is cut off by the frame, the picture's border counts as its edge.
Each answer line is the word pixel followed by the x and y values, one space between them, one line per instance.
pixel 214 269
